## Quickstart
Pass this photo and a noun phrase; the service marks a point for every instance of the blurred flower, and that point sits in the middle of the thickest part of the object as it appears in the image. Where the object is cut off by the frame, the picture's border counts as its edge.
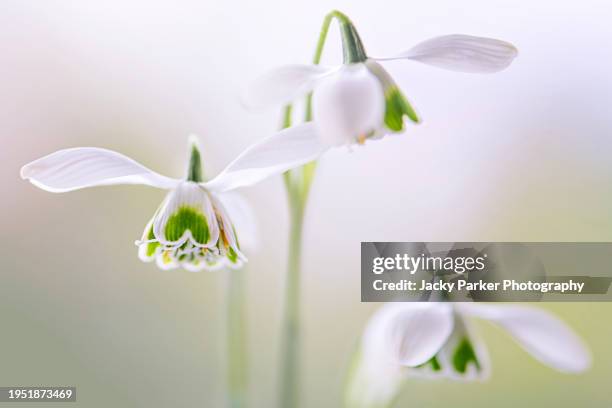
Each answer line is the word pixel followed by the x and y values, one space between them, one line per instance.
pixel 434 340
pixel 359 99
pixel 192 228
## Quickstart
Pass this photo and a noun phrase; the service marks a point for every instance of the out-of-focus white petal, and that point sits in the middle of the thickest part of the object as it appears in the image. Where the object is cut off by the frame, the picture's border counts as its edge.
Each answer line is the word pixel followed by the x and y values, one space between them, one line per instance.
pixel 276 154
pixel 540 333
pixel 463 53
pixel 373 383
pixel 398 334
pixel 81 167
pixel 242 216
pixel 408 333
pixel 348 105
pixel 283 85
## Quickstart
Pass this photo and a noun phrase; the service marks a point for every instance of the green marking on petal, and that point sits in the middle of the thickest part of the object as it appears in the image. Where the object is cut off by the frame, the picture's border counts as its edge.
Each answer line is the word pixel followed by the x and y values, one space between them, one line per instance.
pixel 151 246
pixel 464 355
pixel 236 237
pixel 232 255
pixel 433 362
pixel 187 218
pixel 397 107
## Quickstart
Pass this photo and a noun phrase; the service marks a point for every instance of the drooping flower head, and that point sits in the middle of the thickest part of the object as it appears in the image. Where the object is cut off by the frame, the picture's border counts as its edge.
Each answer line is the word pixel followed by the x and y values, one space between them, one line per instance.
pixel 195 227
pixel 435 340
pixel 359 100
pixel 191 228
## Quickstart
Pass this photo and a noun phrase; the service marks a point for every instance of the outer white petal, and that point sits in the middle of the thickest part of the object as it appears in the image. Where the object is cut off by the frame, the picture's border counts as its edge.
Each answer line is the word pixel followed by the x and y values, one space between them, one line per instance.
pixel 373 383
pixel 398 334
pixel 81 167
pixel 462 53
pixel 284 85
pixel 540 333
pixel 276 154
pixel 242 216
pixel 408 333
pixel 348 105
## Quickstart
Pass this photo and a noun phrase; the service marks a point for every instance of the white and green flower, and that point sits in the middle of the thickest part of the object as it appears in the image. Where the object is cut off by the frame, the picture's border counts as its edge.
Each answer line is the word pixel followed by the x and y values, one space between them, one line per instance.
pixel 359 100
pixel 193 227
pixel 435 340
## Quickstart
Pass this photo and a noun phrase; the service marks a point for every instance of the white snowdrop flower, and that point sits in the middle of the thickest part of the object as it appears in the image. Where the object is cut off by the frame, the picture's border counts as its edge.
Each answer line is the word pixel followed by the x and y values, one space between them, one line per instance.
pixel 359 100
pixel 435 340
pixel 193 227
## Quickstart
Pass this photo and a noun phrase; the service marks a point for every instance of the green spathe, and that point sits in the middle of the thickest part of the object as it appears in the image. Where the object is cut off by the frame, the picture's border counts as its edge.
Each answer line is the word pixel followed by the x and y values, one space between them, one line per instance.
pixel 187 218
pixel 194 171
pixel 352 47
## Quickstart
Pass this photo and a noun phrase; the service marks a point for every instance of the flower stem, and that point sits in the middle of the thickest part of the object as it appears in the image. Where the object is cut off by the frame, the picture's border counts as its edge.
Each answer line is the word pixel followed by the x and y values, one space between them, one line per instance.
pixel 298 183
pixel 291 330
pixel 237 364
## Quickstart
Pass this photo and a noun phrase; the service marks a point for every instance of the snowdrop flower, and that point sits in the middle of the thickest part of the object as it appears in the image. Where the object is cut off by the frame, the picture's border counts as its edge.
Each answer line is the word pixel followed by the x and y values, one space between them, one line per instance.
pixel 435 340
pixel 359 99
pixel 192 228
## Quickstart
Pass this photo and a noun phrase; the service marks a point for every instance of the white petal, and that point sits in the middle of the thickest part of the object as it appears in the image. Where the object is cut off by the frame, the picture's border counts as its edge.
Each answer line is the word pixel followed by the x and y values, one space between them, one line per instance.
pixel 373 383
pixel 463 357
pixel 276 154
pixel 398 334
pixel 540 333
pixel 463 53
pixel 284 85
pixel 408 333
pixel 143 244
pixel 166 262
pixel 186 195
pixel 72 169
pixel 242 216
pixel 227 233
pixel 348 105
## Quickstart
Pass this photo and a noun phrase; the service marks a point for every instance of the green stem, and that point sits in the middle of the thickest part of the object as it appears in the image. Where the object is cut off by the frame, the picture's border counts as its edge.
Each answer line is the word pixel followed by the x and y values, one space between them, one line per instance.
pixel 236 339
pixel 297 183
pixel 291 329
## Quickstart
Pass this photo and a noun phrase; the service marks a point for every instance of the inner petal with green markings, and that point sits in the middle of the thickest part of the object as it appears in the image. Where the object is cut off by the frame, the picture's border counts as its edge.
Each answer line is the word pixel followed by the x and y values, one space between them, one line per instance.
pixel 461 357
pixel 397 107
pixel 191 230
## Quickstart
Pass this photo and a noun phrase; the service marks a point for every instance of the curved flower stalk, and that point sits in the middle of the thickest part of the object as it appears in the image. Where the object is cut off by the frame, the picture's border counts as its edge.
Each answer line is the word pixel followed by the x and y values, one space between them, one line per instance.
pixel 435 340
pixel 359 100
pixel 192 227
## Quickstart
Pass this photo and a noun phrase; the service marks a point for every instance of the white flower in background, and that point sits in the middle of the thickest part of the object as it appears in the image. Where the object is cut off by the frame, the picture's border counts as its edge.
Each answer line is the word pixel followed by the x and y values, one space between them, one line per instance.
pixel 193 227
pixel 359 99
pixel 434 340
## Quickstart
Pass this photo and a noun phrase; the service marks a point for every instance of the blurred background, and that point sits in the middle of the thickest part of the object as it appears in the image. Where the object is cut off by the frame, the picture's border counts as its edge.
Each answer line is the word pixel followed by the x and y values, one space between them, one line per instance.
pixel 523 155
